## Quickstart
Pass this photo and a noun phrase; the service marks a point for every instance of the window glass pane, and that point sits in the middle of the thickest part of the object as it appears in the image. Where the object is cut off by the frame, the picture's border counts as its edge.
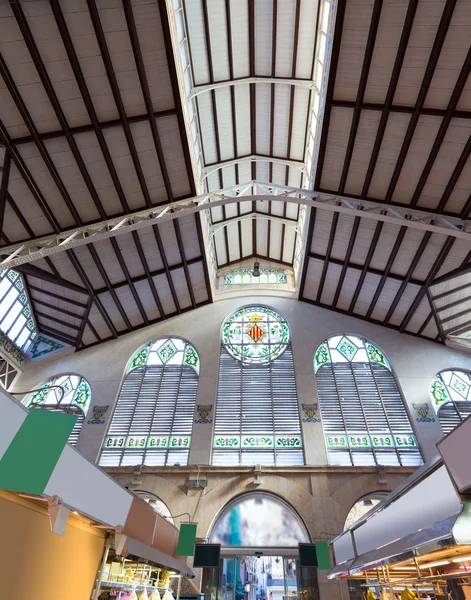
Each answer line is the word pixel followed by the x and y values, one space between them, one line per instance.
pixel 8 301
pixel 21 339
pixel 258 519
pixel 17 327
pixel 10 317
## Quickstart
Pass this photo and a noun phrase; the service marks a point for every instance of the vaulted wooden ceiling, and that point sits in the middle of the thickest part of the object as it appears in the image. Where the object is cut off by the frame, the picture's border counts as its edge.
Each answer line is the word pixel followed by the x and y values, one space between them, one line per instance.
pixel 93 127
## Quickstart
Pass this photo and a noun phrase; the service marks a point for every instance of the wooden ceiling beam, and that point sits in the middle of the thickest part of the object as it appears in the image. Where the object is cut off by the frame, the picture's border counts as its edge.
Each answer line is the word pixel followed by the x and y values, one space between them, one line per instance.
pixel 424 87
pixel 351 244
pixel 77 130
pixel 125 271
pixel 172 69
pixel 387 269
pixel 406 110
pixel 366 266
pixel 39 314
pixel 78 343
pixel 334 60
pixel 62 337
pixel 4 180
pixel 369 270
pixel 437 144
pixel 365 71
pixel 141 71
pixel 330 245
pixel 401 51
pixel 34 271
pixel 48 292
pixel 408 279
pixel 430 277
pixel 83 276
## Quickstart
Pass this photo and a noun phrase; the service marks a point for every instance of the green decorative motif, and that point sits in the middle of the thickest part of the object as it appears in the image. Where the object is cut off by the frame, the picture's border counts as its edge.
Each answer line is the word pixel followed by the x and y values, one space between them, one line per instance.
pixel 439 392
pixel 221 441
pixel 11 349
pixel 22 298
pixel 140 358
pixel 136 441
pixel 375 355
pixel 166 351
pixel 405 440
pixel 459 386
pixel 255 441
pixel 359 441
pixel 40 396
pixel 347 348
pixel 114 442
pixel 289 441
pixel 255 334
pixel 83 395
pixel 191 358
pixel 336 441
pixel 156 441
pixel 180 441
pixel 382 441
pixel 321 356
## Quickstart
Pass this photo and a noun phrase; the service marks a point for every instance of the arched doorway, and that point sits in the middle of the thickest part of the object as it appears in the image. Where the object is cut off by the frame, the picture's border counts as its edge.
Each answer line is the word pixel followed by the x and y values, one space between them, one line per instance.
pixel 259 535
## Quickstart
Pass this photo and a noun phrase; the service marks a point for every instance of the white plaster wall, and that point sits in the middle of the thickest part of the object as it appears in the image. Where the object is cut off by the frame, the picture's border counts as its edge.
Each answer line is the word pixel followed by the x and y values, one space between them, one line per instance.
pixel 415 361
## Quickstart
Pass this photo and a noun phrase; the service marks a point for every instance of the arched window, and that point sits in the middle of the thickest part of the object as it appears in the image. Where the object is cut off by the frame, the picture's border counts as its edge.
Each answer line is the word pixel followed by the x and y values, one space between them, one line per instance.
pixel 362 507
pixel 257 415
pixel 450 394
pixel 258 519
pixel 363 412
pixel 156 504
pixel 68 391
pixel 153 418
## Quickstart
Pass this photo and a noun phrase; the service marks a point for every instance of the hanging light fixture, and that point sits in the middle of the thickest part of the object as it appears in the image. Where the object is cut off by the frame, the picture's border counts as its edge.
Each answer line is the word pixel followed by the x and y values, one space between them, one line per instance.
pixel 256 269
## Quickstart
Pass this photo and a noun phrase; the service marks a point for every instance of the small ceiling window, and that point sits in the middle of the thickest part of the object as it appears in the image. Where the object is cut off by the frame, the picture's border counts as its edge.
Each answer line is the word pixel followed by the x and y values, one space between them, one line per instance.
pixel 245 277
pixel 16 317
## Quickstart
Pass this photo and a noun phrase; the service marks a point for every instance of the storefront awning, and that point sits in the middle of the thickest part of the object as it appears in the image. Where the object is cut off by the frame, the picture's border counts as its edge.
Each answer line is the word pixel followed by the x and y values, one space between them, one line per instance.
pixel 133 549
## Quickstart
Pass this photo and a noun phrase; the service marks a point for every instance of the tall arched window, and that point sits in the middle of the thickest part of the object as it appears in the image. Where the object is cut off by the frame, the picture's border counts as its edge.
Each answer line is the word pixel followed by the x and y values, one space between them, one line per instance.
pixel 257 415
pixel 61 393
pixel 363 412
pixel 153 418
pixel 362 507
pixel 450 394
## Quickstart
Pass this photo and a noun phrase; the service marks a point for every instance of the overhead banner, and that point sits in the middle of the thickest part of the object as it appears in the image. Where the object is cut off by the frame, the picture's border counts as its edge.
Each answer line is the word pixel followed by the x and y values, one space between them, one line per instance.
pixel 30 459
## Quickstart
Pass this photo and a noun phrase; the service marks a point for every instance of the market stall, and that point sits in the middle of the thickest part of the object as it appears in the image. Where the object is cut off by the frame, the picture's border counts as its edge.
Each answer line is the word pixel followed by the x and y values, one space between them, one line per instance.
pixel 416 542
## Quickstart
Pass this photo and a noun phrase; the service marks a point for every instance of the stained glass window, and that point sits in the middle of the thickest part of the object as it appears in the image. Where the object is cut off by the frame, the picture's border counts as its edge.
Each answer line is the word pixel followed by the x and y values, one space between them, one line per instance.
pixel 244 277
pixel 255 334
pixel 70 390
pixel 257 415
pixel 16 320
pixel 153 419
pixel 450 394
pixel 363 413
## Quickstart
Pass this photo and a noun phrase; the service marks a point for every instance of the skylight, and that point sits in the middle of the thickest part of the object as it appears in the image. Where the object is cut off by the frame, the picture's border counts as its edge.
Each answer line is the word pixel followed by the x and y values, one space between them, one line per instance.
pixel 16 317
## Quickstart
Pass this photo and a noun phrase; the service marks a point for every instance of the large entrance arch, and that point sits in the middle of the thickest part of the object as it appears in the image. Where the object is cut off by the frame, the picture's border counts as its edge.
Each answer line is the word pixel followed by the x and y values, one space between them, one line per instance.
pixel 258 521
pixel 259 535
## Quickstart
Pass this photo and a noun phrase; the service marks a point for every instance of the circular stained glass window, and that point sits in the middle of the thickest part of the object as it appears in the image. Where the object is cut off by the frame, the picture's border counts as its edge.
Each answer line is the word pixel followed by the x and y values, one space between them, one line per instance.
pixel 255 334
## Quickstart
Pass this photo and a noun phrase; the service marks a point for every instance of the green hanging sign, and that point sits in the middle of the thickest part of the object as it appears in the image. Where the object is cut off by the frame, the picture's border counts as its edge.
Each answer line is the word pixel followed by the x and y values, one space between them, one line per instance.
pixel 322 555
pixel 30 459
pixel 186 539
